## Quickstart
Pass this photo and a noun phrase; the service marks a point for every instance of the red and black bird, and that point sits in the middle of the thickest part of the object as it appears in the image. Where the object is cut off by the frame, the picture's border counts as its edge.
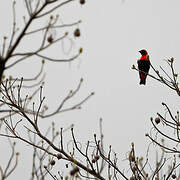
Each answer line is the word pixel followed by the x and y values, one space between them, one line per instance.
pixel 143 66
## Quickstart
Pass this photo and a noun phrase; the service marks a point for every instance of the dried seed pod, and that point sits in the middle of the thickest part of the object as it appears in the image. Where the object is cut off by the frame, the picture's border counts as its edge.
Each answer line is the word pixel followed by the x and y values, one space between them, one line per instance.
pixel 82 2
pixel 174 176
pixel 74 171
pixel 50 39
pixel 59 156
pixel 157 120
pixel 95 159
pixel 80 50
pixel 52 162
pixel 77 33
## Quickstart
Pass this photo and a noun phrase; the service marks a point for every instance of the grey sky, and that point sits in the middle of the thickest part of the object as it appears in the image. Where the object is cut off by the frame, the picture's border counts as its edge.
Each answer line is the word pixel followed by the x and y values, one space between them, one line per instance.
pixel 112 34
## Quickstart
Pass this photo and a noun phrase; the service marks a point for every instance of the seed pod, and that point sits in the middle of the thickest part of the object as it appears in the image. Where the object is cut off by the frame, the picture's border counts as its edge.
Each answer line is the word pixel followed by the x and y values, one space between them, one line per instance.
pixel 80 50
pixel 157 120
pixel 50 39
pixel 95 159
pixel 52 162
pixel 59 156
pixel 82 2
pixel 74 171
pixel 174 176
pixel 77 33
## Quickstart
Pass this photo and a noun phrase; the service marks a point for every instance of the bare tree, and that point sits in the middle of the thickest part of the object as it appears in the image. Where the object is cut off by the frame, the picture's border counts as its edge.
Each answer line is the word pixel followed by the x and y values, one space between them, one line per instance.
pixel 164 133
pixel 14 103
pixel 20 115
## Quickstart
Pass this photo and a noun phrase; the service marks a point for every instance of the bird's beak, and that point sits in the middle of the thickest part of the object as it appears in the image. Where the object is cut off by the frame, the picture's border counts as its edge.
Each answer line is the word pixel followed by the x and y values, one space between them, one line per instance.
pixel 140 52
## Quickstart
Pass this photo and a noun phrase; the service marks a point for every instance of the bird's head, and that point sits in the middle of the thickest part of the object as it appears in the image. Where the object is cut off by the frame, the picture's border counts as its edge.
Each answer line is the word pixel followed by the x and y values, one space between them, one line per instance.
pixel 143 52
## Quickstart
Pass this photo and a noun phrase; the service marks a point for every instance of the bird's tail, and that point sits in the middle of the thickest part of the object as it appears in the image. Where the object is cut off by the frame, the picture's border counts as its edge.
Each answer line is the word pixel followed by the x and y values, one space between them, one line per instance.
pixel 142 81
pixel 142 78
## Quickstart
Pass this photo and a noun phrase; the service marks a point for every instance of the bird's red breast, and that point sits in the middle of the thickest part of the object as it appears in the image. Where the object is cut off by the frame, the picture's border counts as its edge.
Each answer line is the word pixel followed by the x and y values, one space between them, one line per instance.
pixel 144 57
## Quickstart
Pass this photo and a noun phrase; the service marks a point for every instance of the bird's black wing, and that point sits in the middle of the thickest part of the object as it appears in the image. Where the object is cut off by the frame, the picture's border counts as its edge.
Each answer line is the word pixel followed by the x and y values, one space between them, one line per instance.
pixel 144 65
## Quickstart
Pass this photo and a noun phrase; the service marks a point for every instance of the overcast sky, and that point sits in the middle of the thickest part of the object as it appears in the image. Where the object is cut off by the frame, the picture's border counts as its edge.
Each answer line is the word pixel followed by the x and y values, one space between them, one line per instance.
pixel 112 34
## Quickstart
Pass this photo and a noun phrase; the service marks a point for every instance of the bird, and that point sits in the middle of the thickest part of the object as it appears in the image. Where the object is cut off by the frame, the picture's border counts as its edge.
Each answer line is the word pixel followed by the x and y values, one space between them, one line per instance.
pixel 143 66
